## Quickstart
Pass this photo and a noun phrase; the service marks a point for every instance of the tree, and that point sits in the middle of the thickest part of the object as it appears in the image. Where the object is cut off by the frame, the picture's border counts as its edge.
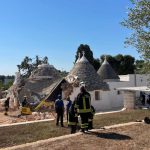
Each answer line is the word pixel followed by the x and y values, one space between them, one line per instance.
pixel 121 64
pixel 118 63
pixel 139 22
pixel 45 60
pixel 8 85
pixel 128 66
pixel 96 64
pixel 1 85
pixel 140 67
pixel 26 67
pixel 139 64
pixel 2 78
pixel 88 54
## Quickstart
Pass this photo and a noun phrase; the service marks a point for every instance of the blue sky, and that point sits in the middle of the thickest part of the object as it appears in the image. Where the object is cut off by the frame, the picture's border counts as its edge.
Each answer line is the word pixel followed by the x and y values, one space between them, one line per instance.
pixel 55 28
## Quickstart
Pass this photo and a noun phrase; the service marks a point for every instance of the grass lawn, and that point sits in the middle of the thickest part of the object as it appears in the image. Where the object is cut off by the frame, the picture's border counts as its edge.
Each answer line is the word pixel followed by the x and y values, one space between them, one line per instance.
pixel 15 135
pixel 133 137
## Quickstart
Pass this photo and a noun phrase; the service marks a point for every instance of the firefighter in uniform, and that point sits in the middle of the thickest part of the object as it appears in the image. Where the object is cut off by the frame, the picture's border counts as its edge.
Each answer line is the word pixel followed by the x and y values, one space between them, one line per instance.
pixel 91 116
pixel 83 106
pixel 73 118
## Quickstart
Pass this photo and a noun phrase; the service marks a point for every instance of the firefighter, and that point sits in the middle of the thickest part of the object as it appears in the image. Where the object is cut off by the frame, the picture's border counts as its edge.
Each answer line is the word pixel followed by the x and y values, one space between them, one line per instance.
pixel 73 118
pixel 83 106
pixel 91 116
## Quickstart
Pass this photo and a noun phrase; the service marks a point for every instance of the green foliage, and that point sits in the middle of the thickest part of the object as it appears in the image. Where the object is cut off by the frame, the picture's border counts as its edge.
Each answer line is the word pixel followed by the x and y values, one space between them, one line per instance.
pixel 8 85
pixel 5 86
pixel 1 85
pixel 140 66
pixel 27 65
pixel 2 78
pixel 139 22
pixel 96 64
pixel 121 64
pixel 88 54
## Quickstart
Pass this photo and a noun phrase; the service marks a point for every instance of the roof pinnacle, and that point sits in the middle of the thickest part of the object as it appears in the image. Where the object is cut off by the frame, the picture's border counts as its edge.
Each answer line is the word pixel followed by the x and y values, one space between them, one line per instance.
pixel 105 60
pixel 83 59
pixel 79 57
pixel 83 53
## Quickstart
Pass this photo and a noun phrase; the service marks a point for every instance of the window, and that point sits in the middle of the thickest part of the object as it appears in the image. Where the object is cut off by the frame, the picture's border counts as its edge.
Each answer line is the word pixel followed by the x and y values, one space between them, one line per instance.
pixel 97 95
pixel 118 92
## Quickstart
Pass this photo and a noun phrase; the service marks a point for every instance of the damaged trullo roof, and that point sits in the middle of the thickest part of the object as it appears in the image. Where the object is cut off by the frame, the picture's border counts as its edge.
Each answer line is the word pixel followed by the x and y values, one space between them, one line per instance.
pixel 41 82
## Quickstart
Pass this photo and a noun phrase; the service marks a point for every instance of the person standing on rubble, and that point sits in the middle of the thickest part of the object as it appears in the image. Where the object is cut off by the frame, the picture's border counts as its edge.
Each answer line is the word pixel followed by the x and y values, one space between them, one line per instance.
pixel 6 105
pixel 25 102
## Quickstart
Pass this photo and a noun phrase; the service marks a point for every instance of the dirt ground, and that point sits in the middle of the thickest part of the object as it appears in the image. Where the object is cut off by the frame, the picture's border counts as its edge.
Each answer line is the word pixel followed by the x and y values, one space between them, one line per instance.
pixel 13 117
pixel 135 137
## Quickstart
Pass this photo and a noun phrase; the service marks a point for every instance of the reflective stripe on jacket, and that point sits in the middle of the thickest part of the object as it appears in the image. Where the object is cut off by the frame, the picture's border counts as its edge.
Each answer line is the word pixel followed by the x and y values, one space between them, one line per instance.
pixel 72 116
pixel 83 103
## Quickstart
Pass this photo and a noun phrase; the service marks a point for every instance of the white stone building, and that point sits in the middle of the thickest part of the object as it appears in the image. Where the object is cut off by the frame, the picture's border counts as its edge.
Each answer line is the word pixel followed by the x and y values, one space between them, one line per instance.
pixel 103 89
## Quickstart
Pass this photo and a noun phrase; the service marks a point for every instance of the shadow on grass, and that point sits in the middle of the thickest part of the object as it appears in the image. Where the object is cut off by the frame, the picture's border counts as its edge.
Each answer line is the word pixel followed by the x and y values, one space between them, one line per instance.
pixel 112 136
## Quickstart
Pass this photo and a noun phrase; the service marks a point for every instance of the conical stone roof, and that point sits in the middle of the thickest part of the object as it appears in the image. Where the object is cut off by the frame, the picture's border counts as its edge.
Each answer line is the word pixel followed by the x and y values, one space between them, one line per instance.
pixel 106 72
pixel 41 78
pixel 45 70
pixel 87 74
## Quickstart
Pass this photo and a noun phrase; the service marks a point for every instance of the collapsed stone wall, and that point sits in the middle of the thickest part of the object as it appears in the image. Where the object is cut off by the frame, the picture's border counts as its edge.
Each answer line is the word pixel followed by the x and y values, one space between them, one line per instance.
pixel 33 87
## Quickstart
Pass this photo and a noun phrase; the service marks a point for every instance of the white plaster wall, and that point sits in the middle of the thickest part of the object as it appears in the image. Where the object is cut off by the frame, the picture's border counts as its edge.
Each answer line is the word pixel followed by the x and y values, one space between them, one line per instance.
pixel 142 80
pixel 110 100
pixel 124 77
pixel 75 92
pixel 102 104
pixel 115 98
pixel 136 79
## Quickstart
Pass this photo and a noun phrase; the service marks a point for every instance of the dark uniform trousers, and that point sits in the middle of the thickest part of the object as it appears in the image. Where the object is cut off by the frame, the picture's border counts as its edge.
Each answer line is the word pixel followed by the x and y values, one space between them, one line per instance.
pixel 84 120
pixel 91 116
pixel 60 115
pixel 72 121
